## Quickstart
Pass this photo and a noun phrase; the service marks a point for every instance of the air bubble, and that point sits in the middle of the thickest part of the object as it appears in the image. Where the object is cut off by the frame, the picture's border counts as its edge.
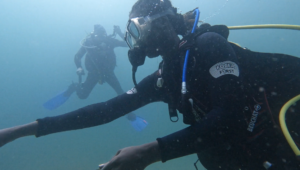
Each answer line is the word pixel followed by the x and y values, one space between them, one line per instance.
pixel 273 93
pixel 261 89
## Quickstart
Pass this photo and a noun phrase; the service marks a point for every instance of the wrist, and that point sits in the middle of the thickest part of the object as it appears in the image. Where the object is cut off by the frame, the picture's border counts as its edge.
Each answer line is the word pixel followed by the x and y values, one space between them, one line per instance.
pixel 120 34
pixel 25 130
pixel 151 152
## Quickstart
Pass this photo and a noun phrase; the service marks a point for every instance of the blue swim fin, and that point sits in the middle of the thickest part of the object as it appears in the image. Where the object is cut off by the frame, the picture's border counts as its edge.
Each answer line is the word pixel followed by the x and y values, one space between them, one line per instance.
pixel 62 97
pixel 139 123
pixel 56 101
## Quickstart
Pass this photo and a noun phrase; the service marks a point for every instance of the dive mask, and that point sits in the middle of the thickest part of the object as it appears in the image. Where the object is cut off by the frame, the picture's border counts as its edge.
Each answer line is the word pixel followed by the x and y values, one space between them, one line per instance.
pixel 137 28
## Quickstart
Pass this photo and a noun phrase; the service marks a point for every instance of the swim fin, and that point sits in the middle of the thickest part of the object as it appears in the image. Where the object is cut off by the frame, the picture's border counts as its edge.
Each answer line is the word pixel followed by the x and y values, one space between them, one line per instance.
pixel 60 98
pixel 56 101
pixel 138 123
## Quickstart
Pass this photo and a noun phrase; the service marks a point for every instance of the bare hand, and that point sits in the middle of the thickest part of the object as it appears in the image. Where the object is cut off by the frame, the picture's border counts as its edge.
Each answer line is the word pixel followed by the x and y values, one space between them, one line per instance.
pixel 80 71
pixel 134 158
pixel 10 134
pixel 127 159
pixel 118 30
pixel 6 136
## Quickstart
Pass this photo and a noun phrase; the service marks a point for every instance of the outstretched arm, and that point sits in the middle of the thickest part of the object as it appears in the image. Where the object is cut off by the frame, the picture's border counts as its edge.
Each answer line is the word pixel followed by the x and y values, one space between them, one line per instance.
pixel 117 29
pixel 117 43
pixel 89 116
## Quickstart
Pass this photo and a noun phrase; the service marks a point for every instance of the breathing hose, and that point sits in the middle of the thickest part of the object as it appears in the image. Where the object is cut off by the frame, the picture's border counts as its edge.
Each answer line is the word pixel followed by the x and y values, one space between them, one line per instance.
pixel 183 85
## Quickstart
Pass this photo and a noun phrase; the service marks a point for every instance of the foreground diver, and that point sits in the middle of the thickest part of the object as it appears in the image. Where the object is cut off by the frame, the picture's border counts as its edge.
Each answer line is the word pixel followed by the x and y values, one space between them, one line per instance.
pixel 232 100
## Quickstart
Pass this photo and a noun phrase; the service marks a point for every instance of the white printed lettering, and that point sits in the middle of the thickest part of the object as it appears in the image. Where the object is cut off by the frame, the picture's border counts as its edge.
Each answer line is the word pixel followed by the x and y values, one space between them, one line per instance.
pixel 224 68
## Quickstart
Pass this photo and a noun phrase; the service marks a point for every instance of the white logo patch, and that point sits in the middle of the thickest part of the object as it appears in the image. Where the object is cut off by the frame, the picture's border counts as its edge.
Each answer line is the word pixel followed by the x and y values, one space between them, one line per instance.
pixel 224 68
pixel 132 91
pixel 253 118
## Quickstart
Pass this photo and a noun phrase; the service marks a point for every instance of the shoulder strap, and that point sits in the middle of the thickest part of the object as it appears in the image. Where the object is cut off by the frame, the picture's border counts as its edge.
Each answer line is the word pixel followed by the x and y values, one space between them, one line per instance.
pixel 189 40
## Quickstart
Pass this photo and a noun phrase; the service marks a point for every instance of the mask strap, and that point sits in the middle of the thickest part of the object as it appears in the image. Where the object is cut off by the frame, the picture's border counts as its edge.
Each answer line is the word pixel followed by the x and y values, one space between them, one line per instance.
pixel 153 17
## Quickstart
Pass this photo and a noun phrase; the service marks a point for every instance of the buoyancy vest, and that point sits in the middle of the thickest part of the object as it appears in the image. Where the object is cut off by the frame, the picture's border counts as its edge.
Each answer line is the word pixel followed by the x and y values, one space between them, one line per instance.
pixel 264 74
pixel 269 81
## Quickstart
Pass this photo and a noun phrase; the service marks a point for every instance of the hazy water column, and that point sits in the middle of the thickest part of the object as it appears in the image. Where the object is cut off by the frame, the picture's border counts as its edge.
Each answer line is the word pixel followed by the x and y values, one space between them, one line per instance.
pixel 38 42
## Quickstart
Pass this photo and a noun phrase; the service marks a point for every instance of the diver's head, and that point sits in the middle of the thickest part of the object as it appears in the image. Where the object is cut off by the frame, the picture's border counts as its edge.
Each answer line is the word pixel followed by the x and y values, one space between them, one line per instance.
pixel 152 30
pixel 153 26
pixel 99 31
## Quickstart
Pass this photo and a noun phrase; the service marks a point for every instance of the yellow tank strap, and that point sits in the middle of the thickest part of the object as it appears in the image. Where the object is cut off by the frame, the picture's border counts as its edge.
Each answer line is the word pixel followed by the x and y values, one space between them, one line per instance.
pixel 283 126
pixel 265 26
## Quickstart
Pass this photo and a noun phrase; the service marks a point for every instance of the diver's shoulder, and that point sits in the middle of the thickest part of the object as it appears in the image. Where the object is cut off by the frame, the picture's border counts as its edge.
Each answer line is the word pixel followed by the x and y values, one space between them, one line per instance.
pixel 88 40
pixel 207 28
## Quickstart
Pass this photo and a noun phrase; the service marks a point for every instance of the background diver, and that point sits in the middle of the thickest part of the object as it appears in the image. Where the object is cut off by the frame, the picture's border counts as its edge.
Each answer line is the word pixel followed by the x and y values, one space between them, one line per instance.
pixel 232 101
pixel 100 62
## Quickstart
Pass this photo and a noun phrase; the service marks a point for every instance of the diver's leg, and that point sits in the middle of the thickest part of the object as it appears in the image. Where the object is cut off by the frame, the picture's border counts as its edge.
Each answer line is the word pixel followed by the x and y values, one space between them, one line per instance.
pixel 85 89
pixel 112 80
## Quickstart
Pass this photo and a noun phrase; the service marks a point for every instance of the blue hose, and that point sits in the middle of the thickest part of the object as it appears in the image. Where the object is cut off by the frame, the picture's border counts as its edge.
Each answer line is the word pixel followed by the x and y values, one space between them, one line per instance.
pixel 183 87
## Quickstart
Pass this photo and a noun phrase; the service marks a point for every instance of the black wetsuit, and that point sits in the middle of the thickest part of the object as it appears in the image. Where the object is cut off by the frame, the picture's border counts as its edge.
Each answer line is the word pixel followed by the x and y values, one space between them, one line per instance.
pixel 100 61
pixel 225 89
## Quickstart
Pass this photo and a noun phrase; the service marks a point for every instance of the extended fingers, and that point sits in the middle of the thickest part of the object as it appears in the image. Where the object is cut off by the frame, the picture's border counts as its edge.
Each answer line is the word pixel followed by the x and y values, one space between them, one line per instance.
pixel 111 165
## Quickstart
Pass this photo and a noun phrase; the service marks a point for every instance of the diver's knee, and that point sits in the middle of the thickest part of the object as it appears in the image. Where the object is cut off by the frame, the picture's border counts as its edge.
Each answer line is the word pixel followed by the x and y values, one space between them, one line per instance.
pixel 119 92
pixel 82 96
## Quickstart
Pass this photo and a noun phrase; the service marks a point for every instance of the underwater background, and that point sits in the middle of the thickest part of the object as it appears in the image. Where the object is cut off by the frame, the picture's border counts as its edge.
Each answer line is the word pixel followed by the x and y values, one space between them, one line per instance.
pixel 38 41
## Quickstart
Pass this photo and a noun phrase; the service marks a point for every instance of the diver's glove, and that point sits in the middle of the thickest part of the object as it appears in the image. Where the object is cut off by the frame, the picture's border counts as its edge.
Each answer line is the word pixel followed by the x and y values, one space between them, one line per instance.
pixel 80 71
pixel 117 30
